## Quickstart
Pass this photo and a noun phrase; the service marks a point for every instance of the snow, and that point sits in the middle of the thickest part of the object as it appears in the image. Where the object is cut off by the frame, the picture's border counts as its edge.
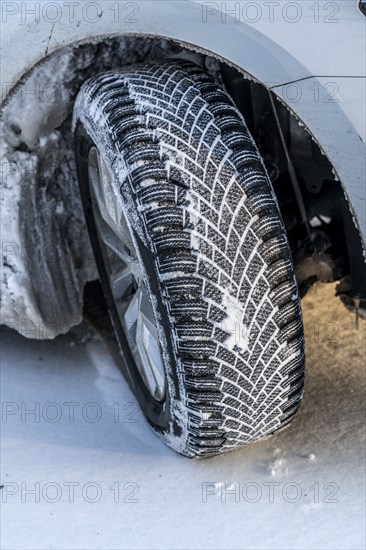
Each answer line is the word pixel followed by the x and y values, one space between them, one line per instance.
pixel 239 333
pixel 115 485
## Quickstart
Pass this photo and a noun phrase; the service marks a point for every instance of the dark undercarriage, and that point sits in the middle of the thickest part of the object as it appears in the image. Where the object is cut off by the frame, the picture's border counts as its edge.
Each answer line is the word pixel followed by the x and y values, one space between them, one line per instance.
pixel 325 243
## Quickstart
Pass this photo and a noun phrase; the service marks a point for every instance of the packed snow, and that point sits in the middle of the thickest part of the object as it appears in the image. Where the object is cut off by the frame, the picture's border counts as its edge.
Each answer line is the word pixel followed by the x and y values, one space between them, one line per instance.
pixel 85 471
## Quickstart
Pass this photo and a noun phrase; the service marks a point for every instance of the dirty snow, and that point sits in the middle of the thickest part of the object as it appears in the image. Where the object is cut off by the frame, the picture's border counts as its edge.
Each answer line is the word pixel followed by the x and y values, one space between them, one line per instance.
pixel 46 252
pixel 106 481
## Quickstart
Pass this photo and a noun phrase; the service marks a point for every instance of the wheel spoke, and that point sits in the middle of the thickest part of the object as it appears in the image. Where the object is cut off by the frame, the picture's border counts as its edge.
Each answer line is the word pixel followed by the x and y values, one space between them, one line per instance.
pixel 143 334
pixel 112 240
pixel 149 352
pixel 102 186
pixel 130 318
pixel 146 310
pixel 122 283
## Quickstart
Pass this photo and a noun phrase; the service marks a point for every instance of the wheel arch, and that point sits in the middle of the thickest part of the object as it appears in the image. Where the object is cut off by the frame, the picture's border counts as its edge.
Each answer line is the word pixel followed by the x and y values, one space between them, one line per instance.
pixel 252 53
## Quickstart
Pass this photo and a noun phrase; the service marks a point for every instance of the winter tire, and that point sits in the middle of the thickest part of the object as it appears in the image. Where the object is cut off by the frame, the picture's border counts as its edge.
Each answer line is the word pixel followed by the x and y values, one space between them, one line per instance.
pixel 182 214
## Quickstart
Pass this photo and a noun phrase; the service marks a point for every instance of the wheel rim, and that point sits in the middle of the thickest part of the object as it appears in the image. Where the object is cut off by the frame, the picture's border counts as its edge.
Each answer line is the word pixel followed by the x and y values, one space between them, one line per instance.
pixel 126 280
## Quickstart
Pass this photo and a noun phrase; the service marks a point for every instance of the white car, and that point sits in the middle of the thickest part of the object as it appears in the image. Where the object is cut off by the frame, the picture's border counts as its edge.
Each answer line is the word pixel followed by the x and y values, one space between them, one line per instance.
pixel 205 162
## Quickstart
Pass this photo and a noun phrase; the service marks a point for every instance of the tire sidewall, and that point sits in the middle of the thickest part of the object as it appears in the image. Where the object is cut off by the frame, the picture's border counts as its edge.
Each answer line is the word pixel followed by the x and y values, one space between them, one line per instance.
pixel 166 416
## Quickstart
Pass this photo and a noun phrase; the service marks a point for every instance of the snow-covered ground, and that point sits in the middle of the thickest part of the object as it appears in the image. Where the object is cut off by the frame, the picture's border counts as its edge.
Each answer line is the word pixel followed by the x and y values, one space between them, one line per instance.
pixel 73 483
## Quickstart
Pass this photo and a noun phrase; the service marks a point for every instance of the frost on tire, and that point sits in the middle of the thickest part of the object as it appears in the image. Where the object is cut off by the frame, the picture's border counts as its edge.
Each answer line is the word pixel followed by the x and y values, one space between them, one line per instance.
pixel 212 248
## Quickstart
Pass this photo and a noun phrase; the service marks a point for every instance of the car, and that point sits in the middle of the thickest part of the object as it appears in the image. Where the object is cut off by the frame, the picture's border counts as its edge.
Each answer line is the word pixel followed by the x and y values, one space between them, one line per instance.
pixel 191 168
